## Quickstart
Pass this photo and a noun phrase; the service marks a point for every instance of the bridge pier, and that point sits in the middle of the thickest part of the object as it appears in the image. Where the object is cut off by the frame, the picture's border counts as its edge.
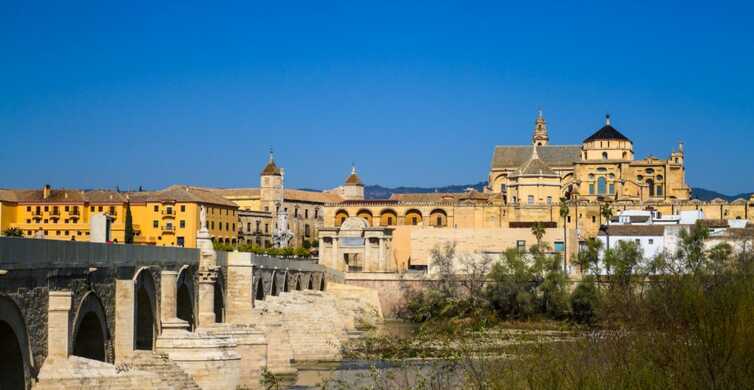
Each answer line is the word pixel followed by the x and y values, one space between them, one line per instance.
pixel 169 303
pixel 58 324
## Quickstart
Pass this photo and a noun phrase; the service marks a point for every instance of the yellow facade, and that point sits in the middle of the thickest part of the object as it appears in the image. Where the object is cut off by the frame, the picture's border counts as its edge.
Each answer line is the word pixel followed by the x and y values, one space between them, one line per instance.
pixel 169 217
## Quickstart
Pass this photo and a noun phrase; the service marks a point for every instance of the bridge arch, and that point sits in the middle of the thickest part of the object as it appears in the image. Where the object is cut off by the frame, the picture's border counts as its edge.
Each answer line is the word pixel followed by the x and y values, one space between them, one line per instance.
pixel 145 310
pixel 259 290
pixel 311 282
pixel 322 283
pixel 274 287
pixel 298 282
pixel 90 331
pixel 219 298
pixel 16 362
pixel 185 293
pixel 286 287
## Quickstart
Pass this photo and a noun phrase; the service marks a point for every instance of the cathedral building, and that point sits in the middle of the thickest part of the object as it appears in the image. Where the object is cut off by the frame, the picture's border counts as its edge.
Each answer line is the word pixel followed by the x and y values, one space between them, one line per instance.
pixel 527 185
pixel 602 168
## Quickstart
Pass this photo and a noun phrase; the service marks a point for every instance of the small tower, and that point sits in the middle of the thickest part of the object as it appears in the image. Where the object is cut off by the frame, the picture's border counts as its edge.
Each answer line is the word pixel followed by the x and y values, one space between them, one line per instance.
pixel 676 157
pixel 353 188
pixel 270 184
pixel 540 136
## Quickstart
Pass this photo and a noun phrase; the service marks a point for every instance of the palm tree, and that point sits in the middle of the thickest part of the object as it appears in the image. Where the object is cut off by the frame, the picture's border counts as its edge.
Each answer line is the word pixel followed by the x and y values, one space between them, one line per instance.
pixel 564 211
pixel 538 230
pixel 13 232
pixel 606 212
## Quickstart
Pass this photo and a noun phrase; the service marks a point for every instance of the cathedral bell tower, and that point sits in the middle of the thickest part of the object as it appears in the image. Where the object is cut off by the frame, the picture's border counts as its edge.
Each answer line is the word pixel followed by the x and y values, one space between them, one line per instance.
pixel 540 136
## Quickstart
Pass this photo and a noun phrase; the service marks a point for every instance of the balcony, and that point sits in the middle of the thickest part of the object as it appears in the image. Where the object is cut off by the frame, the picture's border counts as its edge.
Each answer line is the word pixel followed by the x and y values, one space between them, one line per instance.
pixel 74 214
pixel 55 214
pixel 168 213
pixel 168 229
pixel 36 214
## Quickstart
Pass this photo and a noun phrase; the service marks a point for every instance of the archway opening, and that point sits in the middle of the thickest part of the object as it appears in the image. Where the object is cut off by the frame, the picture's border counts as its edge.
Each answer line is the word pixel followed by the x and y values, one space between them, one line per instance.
pixel 340 216
pixel 259 294
pixel 146 306
pixel 144 320
pixel 311 283
pixel 12 362
pixel 322 283
pixel 90 340
pixel 298 283
pixel 185 305
pixel 219 302
pixel 274 289
pixel 285 284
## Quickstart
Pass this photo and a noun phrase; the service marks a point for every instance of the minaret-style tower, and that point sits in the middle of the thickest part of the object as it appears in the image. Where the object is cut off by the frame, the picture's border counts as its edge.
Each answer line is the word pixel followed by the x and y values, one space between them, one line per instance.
pixel 353 188
pixel 540 136
pixel 271 184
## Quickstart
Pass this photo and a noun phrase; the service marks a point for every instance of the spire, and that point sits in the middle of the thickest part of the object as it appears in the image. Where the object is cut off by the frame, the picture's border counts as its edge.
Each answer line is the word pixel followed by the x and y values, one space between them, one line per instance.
pixel 607 119
pixel 353 168
pixel 272 157
pixel 540 136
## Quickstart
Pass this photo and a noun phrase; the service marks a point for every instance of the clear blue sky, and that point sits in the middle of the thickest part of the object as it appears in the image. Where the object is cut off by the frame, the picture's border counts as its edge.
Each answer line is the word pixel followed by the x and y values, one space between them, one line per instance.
pixel 99 95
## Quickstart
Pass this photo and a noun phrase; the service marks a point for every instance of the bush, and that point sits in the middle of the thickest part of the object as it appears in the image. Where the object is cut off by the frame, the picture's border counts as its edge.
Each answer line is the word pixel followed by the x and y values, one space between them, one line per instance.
pixel 584 301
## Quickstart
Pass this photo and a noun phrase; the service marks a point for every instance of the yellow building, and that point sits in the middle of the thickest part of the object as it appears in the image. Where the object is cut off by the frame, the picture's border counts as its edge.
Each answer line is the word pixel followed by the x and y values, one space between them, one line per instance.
pixel 168 217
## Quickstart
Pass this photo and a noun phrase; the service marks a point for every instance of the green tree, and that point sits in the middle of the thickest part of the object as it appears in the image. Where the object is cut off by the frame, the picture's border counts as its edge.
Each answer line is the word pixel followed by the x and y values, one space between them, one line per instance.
pixel 129 225
pixel 588 259
pixel 564 211
pixel 13 232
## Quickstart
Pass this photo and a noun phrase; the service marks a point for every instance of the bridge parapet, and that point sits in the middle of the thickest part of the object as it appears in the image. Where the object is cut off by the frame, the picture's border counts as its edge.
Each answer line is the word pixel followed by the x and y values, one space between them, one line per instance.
pixel 24 253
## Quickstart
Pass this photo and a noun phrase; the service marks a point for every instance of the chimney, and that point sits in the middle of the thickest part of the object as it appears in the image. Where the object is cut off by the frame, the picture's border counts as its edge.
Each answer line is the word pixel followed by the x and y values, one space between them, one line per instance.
pixel 46 191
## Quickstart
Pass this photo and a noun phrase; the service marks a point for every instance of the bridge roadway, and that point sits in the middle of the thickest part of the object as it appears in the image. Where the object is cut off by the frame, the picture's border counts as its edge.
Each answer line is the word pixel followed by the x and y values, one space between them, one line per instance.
pixel 107 302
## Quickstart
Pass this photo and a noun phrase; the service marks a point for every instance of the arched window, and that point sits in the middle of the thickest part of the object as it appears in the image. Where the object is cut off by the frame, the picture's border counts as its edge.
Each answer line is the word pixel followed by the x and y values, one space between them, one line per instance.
pixel 601 185
pixel 365 215
pixel 388 218
pixel 651 186
pixel 604 155
pixel 340 216
pixel 530 199
pixel 549 200
pixel 413 217
pixel 438 218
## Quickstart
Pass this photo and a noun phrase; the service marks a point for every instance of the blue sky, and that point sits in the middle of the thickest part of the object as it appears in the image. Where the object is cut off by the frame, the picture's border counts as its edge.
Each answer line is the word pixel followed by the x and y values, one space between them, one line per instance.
pixel 146 93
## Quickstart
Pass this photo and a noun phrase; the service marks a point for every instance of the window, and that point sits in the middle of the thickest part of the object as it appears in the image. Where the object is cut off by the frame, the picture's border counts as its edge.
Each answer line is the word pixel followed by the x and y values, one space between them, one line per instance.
pixel 611 188
pixel 521 245
pixel 47 208
pixel 549 200
pixel 57 232
pixel 306 213
pixel 65 233
pixel 295 212
pixel 316 213
pixel 100 208
pixel 637 241
pixel 568 218
pixel 28 208
pixel 594 219
pixel 414 221
pixel 91 208
pixel 389 220
pixel 155 224
pixel 227 226
pixel 601 185
pixel 530 199
pixel 651 241
pixel 604 155
pixel 659 190
pixel 307 231
pixel 591 188
pixel 559 246
pixel 182 223
pixel 112 210
pixel 267 228
pixel 258 224
pixel 66 208
pixel 169 210
pixel 183 208
pixel 212 224
pixel 28 221
pixel 234 226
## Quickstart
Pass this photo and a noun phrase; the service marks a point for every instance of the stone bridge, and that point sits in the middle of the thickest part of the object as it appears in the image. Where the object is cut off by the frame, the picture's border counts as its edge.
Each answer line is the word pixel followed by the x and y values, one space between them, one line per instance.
pixel 80 315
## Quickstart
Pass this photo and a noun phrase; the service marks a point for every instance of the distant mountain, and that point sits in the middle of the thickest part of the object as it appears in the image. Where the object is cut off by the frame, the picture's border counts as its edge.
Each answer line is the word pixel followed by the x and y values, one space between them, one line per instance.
pixel 707 195
pixel 380 192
